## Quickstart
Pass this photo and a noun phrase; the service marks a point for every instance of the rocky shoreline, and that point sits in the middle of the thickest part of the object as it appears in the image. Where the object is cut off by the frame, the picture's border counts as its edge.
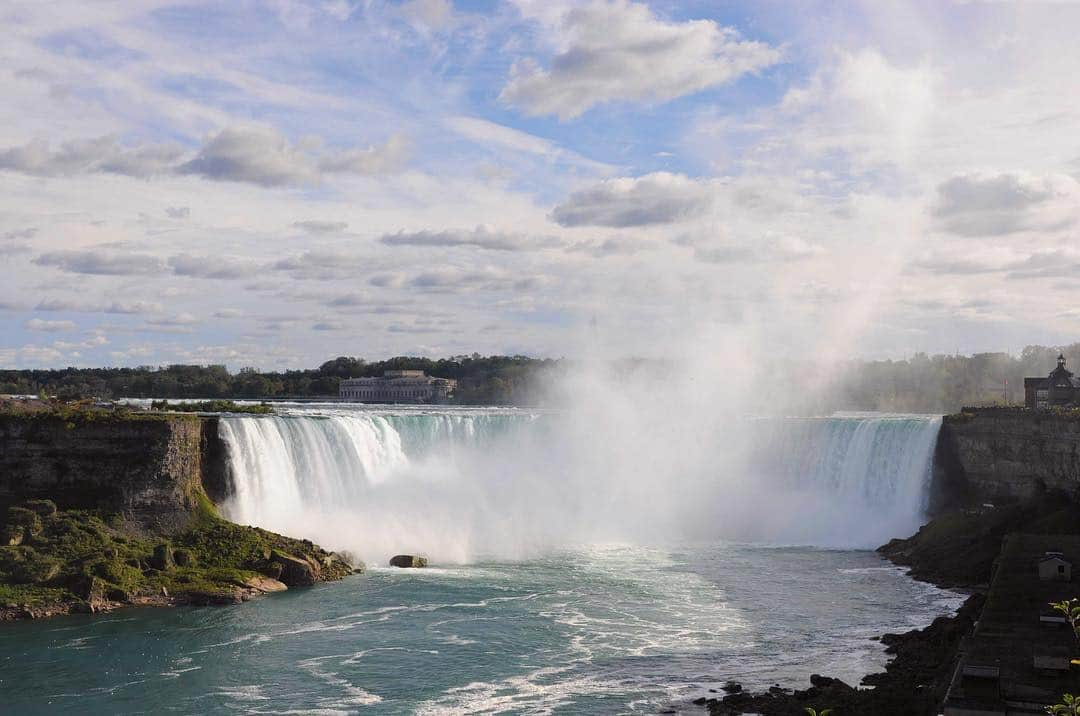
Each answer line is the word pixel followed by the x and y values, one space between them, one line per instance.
pixel 955 550
pixel 55 562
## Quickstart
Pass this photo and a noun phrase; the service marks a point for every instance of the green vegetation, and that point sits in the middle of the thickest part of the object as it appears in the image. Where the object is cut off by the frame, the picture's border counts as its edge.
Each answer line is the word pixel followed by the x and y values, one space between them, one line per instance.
pixel 73 412
pixel 923 383
pixel 1070 609
pixel 945 383
pixel 1069 706
pixel 211 406
pixel 489 380
pixel 61 559
pixel 814 712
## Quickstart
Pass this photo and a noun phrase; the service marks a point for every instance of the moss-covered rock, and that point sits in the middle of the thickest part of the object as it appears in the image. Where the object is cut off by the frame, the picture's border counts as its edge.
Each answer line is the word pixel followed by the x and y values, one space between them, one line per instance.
pixel 44 508
pixel 163 559
pixel 27 519
pixel 82 560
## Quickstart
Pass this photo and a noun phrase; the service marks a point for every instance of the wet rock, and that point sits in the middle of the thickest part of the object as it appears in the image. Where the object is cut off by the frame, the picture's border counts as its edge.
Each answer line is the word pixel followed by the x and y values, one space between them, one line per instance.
pixel 408 561
pixel 266 585
pixel 348 558
pixel 826 682
pixel 731 687
pixel 296 572
pixel 205 599
pixel 271 569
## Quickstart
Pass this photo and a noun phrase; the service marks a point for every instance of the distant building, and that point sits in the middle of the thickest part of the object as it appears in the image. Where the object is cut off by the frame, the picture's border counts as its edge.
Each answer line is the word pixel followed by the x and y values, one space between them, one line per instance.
pixel 398 386
pixel 1059 389
pixel 1054 567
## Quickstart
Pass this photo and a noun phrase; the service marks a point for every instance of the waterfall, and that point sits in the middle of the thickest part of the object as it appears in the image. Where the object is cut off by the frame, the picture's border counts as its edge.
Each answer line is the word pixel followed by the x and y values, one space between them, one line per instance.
pixel 858 479
pixel 460 483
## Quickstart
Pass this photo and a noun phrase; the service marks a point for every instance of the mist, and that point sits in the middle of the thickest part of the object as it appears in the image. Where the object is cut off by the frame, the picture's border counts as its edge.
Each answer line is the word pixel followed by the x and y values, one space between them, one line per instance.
pixel 652 453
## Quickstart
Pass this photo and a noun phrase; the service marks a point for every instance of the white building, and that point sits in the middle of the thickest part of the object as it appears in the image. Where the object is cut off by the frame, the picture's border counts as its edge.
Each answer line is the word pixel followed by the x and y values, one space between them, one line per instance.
pixel 398 386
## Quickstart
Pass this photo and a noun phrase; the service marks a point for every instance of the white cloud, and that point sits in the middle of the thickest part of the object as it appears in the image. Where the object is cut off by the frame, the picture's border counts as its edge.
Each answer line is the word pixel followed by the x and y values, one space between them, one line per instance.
pixel 101 262
pixel 658 198
pixel 481 237
pixel 36 324
pixel 313 226
pixel 999 204
pixel 103 154
pixel 215 267
pixel 244 154
pixel 615 50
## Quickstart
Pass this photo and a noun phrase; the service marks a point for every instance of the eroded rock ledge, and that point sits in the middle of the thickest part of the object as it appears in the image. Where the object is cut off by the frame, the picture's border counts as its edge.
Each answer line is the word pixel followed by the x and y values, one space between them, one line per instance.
pixel 101 508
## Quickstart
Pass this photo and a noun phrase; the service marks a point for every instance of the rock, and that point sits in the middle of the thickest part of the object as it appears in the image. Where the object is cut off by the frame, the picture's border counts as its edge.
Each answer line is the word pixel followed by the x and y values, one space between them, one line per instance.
pixel 13 535
pixel 44 508
pixel 271 569
pixel 354 563
pixel 296 572
pixel 204 599
pixel 266 585
pixel 731 687
pixel 408 560
pixel 87 588
pixel 163 558
pixel 24 518
pixel 826 682
pixel 183 558
pixel 119 595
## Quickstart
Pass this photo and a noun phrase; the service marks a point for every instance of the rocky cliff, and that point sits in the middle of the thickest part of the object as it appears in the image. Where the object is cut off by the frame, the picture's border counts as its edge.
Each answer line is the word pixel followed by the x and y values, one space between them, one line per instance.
pixel 101 508
pixel 144 466
pixel 1005 454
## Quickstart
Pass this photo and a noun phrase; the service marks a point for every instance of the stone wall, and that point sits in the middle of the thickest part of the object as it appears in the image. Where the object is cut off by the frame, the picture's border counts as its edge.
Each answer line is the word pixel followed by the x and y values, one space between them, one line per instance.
pixel 1004 454
pixel 147 467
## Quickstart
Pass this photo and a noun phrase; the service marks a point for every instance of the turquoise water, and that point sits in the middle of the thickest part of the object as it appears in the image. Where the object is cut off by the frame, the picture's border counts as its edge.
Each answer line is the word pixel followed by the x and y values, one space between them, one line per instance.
pixel 606 630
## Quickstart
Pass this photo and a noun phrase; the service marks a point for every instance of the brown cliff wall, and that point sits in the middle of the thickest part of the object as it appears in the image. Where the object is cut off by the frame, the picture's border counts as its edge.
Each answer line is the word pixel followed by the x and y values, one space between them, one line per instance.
pixel 1005 454
pixel 147 467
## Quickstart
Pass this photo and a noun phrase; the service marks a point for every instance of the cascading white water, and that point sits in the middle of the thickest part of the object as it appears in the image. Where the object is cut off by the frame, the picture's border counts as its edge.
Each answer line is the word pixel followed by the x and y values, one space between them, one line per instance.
pixel 844 480
pixel 456 484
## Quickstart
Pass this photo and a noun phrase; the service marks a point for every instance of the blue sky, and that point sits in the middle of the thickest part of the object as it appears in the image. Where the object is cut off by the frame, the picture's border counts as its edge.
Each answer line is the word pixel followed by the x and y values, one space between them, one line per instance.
pixel 275 183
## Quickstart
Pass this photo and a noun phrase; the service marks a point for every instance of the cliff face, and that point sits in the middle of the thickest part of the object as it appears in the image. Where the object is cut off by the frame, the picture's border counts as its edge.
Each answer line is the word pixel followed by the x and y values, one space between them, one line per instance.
pixel 1005 454
pixel 147 467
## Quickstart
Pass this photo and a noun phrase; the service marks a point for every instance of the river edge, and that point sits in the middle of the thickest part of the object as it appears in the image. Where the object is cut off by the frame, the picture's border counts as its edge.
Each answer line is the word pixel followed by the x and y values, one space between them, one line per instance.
pixel 955 551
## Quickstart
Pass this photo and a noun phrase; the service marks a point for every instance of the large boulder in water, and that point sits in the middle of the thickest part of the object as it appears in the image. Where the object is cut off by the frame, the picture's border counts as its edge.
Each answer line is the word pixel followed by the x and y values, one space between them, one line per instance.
pixel 408 560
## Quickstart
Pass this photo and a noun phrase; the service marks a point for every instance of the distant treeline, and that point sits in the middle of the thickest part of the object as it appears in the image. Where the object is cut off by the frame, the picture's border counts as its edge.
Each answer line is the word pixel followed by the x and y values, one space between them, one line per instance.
pixel 944 383
pixel 923 383
pixel 481 379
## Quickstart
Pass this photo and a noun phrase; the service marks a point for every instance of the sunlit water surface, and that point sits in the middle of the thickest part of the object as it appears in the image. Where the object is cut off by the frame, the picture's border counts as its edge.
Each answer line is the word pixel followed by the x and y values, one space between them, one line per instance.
pixel 606 630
